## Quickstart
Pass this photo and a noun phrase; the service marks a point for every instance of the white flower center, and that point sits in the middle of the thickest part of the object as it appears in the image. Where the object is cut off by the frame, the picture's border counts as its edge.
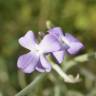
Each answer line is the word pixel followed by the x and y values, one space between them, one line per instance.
pixel 38 49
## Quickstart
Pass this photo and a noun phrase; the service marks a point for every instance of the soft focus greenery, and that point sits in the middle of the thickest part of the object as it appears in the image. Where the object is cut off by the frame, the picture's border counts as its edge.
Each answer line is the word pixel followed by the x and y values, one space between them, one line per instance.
pixel 18 16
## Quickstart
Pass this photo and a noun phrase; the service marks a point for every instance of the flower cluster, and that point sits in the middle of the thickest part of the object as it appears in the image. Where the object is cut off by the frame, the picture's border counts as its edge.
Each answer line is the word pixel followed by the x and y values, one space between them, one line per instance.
pixel 55 42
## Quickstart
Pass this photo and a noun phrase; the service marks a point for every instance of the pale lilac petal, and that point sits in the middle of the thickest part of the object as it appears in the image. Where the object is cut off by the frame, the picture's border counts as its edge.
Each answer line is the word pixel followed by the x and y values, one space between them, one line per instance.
pixel 59 55
pixel 50 44
pixel 75 47
pixel 45 63
pixel 28 62
pixel 56 31
pixel 74 44
pixel 39 67
pixel 70 38
pixel 28 40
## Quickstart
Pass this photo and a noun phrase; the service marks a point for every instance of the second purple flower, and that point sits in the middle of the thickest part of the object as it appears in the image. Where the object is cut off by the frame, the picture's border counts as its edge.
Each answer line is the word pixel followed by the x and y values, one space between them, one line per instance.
pixel 69 43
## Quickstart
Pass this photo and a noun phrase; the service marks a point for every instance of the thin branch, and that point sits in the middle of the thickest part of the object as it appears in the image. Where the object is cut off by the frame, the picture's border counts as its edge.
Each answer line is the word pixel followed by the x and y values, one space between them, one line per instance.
pixel 79 59
pixel 67 78
pixel 31 86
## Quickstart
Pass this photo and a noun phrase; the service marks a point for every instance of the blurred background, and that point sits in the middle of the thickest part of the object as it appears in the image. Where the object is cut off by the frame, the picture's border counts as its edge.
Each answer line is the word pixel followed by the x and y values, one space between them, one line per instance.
pixel 18 16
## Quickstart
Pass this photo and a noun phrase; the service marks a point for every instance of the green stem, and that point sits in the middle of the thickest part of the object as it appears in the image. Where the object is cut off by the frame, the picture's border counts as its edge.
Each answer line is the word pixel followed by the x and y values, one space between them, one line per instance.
pixel 67 78
pixel 31 86
pixel 79 59
pixel 49 24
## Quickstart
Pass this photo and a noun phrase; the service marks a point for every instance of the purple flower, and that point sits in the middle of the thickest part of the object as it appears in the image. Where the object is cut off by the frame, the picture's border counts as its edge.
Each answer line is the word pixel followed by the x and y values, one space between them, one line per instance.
pixel 69 43
pixel 36 58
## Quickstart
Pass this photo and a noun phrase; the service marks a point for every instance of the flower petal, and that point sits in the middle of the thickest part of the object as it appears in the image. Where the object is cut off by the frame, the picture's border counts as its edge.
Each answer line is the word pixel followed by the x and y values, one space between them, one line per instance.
pixel 56 31
pixel 70 38
pixel 75 47
pixel 74 44
pixel 50 44
pixel 39 67
pixel 45 63
pixel 59 55
pixel 28 62
pixel 28 40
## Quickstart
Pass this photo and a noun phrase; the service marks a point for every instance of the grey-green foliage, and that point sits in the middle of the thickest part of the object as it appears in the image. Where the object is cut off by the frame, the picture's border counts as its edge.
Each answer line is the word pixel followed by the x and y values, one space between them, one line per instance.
pixel 74 93
pixel 18 16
